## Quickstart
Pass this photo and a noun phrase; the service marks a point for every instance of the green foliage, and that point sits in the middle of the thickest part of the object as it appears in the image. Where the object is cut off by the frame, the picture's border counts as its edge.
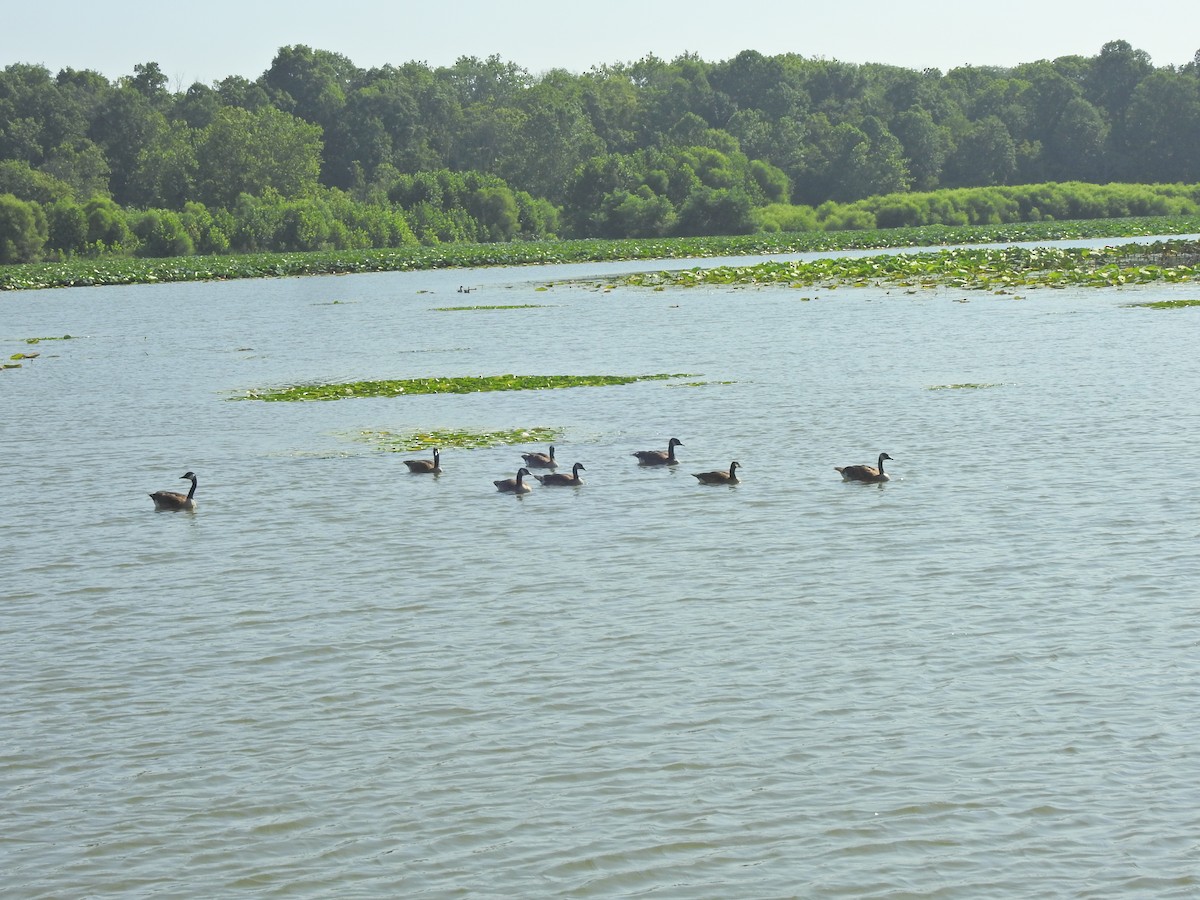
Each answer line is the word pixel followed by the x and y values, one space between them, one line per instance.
pixel 244 152
pixel 161 232
pixel 107 225
pixel 776 128
pixel 119 270
pixel 26 183
pixel 67 228
pixel 23 230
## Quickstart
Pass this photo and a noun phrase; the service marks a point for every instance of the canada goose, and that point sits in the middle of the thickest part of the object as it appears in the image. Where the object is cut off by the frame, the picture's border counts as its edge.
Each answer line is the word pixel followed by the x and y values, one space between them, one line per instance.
pixel 421 466
pixel 729 477
pixel 867 474
pixel 659 457
pixel 170 500
pixel 514 485
pixel 562 478
pixel 541 460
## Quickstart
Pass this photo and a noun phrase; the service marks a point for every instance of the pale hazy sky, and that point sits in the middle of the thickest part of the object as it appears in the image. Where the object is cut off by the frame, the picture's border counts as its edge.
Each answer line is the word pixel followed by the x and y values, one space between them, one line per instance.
pixel 208 40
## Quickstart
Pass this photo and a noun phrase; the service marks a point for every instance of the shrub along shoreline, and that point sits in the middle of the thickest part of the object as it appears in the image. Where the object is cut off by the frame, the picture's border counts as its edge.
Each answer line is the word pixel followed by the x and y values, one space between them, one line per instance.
pixel 125 270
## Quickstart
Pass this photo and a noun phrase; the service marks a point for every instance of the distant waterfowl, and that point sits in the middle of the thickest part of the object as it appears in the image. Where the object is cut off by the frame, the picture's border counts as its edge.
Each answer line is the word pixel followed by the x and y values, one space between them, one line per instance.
pixel 867 474
pixel 719 477
pixel 426 466
pixel 514 485
pixel 562 478
pixel 659 457
pixel 540 460
pixel 170 500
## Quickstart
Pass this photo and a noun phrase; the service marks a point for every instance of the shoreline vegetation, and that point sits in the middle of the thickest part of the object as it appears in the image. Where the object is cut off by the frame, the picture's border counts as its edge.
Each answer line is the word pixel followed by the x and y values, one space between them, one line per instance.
pixel 118 270
pixel 1001 270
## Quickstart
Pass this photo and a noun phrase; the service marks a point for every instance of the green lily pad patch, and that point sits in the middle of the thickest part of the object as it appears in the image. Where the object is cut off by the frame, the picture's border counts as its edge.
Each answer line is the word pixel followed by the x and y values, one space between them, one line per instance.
pixel 1166 304
pixel 467 385
pixel 443 439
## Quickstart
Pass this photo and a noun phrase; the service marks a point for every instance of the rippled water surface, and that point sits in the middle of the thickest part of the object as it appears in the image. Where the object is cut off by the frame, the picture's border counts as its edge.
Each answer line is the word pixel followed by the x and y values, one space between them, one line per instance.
pixel 338 679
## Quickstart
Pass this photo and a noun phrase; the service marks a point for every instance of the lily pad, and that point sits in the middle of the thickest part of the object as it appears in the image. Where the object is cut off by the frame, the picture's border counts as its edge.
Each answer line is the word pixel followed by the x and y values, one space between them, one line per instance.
pixel 410 441
pixel 467 385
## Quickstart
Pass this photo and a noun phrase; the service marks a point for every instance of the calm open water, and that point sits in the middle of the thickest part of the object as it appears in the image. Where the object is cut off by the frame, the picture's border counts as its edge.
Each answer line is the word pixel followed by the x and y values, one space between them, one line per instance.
pixel 336 679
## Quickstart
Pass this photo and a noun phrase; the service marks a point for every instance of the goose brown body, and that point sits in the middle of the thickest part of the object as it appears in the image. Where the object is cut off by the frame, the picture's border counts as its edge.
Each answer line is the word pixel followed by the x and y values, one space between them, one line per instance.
pixel 719 477
pixel 867 474
pixel 540 460
pixel 562 479
pixel 173 501
pixel 659 457
pixel 426 466
pixel 515 485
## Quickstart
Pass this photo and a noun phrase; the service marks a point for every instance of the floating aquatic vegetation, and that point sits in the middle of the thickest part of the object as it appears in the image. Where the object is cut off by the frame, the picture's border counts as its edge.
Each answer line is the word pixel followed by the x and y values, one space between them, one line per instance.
pixel 998 269
pixel 1165 304
pixel 411 441
pixel 466 385
pixel 130 270
pixel 513 306
pixel 965 386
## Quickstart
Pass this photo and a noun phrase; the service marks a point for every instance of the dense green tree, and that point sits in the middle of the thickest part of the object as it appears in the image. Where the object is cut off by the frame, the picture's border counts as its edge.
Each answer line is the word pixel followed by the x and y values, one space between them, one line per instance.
pixel 1075 146
pixel 166 169
pixel 126 122
pixel 715 211
pixel 640 213
pixel 23 230
pixel 985 155
pixel 197 107
pixel 613 107
pixel 1163 127
pixel 557 135
pixel 149 81
pixel 495 209
pixel 310 84
pixel 67 227
pixel 108 228
pixel 207 232
pixel 27 183
pixel 238 91
pixel 161 232
pixel 245 152
pixel 81 164
pixel 924 144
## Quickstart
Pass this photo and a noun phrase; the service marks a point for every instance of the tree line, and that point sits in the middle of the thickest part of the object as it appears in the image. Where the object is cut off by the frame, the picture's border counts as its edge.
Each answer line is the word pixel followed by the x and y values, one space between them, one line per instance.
pixel 319 153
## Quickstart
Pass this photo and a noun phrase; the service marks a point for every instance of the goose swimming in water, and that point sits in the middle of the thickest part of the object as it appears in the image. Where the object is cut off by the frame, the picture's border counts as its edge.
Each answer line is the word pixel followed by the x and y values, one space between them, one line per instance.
pixel 541 460
pixel 170 500
pixel 425 466
pixel 562 478
pixel 514 485
pixel 719 477
pixel 659 457
pixel 867 474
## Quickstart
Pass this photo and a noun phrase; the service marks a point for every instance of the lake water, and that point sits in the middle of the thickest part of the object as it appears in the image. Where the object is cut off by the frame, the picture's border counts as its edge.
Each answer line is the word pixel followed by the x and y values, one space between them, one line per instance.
pixel 336 679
